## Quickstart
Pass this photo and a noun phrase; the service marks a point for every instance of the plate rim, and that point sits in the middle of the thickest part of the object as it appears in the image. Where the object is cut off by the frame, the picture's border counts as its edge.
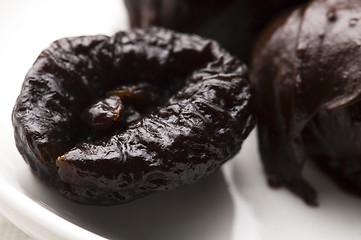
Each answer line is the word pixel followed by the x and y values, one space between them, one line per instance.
pixel 35 220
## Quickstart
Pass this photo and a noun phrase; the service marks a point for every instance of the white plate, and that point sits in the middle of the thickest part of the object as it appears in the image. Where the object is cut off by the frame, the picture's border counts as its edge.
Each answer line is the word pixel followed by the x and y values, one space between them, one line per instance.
pixel 232 204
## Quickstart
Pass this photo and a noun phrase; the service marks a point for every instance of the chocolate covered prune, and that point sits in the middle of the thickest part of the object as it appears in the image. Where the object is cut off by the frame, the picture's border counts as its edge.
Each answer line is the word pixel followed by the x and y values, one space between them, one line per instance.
pixel 307 85
pixel 110 119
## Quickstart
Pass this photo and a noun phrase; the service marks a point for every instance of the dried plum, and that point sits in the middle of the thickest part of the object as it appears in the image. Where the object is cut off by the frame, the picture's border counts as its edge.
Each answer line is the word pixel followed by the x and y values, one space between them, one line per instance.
pixel 109 119
pixel 233 23
pixel 306 81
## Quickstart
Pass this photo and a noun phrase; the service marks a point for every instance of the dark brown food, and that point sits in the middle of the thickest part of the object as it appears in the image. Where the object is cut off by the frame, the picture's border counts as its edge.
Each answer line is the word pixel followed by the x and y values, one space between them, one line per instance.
pixel 233 23
pixel 307 81
pixel 110 119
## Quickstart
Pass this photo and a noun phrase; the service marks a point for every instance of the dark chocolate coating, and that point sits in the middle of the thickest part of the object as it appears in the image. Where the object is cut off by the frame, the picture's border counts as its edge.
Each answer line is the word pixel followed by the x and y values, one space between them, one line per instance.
pixel 183 111
pixel 232 23
pixel 307 85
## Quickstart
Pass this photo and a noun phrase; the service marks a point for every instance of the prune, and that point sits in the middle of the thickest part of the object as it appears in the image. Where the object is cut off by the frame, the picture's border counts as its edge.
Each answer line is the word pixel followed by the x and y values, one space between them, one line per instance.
pixel 233 23
pixel 110 119
pixel 104 113
pixel 306 80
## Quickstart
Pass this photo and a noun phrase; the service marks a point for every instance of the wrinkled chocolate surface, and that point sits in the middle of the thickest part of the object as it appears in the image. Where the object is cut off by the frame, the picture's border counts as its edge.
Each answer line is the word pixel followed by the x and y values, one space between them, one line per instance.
pixel 307 83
